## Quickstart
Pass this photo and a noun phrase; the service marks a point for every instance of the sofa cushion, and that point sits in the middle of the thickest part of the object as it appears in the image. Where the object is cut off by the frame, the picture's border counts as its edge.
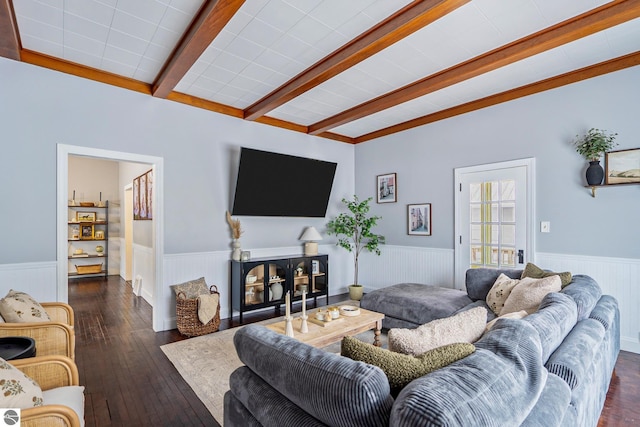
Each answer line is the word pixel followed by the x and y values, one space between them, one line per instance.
pixel 414 302
pixel 528 294
pixel 17 390
pixel 555 317
pixel 19 307
pixel 606 311
pixel 192 288
pixel 71 396
pixel 323 384
pixel 515 315
pixel 585 291
pixel 532 270
pixel 497 385
pixel 478 281
pixel 399 368
pixel 499 292
pixel 573 357
pixel 551 405
pixel 466 326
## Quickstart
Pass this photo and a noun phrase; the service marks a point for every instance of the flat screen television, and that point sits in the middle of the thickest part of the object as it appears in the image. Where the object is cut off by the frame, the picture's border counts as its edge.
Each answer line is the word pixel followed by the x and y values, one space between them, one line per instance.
pixel 274 184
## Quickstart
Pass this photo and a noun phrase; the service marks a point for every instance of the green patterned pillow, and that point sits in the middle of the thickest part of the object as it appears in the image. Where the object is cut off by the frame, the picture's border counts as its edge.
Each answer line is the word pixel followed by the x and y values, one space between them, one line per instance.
pixel 532 270
pixel 192 288
pixel 401 369
pixel 20 307
pixel 16 389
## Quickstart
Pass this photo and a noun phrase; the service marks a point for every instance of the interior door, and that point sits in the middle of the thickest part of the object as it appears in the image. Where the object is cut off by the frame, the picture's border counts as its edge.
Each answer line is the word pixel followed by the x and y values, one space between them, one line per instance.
pixel 494 217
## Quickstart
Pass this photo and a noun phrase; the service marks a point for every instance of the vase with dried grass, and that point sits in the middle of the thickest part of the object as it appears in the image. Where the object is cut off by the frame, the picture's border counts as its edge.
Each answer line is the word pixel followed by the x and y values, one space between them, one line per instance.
pixel 236 231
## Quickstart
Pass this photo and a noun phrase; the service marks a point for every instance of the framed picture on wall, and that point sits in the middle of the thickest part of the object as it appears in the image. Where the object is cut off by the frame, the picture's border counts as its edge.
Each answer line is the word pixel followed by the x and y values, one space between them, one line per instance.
pixel 387 188
pixel 419 219
pixel 142 196
pixel 623 166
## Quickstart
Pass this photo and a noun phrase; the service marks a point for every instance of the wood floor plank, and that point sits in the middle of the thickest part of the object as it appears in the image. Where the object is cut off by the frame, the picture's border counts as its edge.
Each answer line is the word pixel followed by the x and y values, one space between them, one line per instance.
pixel 130 382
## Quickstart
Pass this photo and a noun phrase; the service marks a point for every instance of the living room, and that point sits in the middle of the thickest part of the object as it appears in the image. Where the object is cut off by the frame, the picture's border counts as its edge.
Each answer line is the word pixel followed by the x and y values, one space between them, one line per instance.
pixel 43 110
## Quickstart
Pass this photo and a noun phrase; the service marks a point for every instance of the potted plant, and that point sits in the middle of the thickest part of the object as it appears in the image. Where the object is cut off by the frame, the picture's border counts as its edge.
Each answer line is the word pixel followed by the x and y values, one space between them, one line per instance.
pixel 354 234
pixel 592 146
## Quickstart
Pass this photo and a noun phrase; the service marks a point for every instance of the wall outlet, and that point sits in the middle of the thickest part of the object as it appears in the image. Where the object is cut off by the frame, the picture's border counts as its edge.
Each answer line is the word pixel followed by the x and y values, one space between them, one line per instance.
pixel 545 226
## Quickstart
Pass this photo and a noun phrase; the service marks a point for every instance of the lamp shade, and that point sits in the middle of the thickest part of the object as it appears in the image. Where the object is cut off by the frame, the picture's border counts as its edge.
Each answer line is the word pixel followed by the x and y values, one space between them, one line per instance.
pixel 310 235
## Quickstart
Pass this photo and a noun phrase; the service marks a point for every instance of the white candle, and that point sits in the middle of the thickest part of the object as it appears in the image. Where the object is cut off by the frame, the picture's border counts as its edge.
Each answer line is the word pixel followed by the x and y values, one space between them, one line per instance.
pixel 304 303
pixel 286 303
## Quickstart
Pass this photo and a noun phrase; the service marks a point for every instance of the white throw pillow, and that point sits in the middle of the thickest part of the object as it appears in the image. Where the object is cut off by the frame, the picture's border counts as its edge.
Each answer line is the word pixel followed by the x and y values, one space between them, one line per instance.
pixel 16 389
pixel 19 307
pixel 467 326
pixel 499 292
pixel 528 294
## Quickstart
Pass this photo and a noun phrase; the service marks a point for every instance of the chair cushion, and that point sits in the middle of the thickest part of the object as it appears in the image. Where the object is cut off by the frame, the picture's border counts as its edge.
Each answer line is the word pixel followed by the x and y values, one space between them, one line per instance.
pixel 399 368
pixel 17 390
pixel 20 307
pixel 71 396
pixel 466 326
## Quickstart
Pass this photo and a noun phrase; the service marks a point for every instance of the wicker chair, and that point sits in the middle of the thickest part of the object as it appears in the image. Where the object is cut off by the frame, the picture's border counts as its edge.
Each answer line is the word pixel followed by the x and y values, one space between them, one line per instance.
pixel 54 337
pixel 50 372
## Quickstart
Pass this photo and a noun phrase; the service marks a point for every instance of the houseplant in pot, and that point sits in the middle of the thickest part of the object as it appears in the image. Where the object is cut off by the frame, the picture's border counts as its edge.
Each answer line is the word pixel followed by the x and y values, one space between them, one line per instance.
pixel 592 146
pixel 354 232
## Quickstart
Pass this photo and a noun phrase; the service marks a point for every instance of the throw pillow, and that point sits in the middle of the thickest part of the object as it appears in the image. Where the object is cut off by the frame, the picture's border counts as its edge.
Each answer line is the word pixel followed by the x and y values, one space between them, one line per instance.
pixel 401 369
pixel 192 288
pixel 528 294
pixel 20 307
pixel 500 292
pixel 466 326
pixel 16 389
pixel 532 270
pixel 516 315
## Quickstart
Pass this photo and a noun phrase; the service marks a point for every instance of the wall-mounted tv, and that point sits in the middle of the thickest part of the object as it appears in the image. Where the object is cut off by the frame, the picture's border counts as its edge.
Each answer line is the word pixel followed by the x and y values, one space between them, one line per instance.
pixel 274 184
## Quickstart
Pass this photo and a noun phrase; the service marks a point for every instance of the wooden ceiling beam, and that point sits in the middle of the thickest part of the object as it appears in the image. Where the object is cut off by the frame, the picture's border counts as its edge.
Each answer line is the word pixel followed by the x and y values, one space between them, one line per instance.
pixel 210 20
pixel 606 16
pixel 616 64
pixel 9 37
pixel 78 70
pixel 406 21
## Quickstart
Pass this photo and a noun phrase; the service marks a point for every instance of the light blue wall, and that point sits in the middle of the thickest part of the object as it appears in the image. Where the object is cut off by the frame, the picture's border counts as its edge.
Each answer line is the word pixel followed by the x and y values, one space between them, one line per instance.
pixel 40 108
pixel 541 126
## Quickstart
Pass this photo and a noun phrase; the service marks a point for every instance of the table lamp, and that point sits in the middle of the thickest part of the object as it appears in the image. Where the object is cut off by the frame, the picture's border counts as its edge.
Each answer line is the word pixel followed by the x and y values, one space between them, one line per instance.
pixel 310 236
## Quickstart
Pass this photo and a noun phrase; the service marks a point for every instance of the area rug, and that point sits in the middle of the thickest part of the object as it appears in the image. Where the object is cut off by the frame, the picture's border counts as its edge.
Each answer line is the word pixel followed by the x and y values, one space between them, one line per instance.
pixel 206 363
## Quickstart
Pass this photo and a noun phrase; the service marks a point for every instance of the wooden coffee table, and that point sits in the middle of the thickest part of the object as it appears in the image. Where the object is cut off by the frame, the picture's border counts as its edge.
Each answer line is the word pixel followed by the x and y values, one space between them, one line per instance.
pixel 321 336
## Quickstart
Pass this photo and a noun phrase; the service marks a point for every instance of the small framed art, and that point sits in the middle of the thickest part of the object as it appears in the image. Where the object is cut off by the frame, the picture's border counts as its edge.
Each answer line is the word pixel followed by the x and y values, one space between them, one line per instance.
pixel 419 219
pixel 387 188
pixel 86 232
pixel 623 166
pixel 85 216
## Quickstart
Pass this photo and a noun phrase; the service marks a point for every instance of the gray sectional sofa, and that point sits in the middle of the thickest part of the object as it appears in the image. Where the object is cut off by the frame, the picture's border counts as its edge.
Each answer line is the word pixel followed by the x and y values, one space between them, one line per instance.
pixel 551 368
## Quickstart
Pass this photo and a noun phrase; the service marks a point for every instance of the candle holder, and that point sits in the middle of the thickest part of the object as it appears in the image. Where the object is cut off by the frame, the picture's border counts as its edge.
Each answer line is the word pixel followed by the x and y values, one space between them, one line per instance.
pixel 288 326
pixel 304 328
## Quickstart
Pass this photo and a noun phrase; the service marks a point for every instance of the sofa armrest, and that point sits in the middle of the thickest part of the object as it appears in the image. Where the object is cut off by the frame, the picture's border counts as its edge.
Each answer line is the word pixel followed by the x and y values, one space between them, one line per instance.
pixel 59 312
pixel 49 371
pixel 51 337
pixel 49 415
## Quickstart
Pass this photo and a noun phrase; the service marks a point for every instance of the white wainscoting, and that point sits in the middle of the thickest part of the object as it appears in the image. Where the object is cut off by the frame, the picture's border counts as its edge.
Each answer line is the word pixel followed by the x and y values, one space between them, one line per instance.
pixel 617 277
pixel 38 279
pixel 144 267
pixel 402 264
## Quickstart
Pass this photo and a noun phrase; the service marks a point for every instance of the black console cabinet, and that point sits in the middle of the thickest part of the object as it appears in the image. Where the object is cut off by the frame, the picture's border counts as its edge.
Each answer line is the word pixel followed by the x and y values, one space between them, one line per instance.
pixel 263 282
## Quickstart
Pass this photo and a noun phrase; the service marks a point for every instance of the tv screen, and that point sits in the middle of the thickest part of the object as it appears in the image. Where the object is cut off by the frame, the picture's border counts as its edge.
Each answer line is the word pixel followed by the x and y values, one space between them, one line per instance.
pixel 273 184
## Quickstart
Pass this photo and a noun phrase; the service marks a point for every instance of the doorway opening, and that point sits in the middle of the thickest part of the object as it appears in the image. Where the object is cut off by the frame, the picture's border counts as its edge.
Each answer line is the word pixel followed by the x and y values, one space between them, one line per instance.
pixel 157 240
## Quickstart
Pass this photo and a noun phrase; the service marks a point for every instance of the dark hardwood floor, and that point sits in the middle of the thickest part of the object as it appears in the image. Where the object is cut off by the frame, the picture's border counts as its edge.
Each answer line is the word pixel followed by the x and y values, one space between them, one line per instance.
pixel 130 382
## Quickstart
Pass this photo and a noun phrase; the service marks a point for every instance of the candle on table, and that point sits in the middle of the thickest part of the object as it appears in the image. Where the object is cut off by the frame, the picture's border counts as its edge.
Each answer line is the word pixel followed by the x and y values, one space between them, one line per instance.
pixel 286 302
pixel 304 303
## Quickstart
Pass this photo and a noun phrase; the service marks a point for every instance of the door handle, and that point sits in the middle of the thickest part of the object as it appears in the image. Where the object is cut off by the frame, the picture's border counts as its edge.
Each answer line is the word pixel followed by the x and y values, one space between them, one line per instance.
pixel 520 256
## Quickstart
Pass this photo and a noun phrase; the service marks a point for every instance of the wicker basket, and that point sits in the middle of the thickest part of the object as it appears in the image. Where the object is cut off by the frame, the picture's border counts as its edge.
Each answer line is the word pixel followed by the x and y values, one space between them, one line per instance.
pixel 89 269
pixel 187 316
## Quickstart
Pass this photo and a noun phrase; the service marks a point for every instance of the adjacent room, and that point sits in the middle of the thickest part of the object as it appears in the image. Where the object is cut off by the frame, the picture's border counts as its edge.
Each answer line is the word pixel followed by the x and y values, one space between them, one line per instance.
pixel 439 198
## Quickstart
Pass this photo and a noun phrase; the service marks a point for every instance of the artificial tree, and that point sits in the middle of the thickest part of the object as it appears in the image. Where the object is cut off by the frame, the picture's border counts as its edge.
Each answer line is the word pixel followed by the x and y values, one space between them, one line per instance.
pixel 354 231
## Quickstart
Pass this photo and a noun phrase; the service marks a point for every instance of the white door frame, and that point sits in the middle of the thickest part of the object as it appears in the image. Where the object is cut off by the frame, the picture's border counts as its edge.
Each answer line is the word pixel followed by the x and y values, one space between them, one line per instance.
pixel 64 151
pixel 530 165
